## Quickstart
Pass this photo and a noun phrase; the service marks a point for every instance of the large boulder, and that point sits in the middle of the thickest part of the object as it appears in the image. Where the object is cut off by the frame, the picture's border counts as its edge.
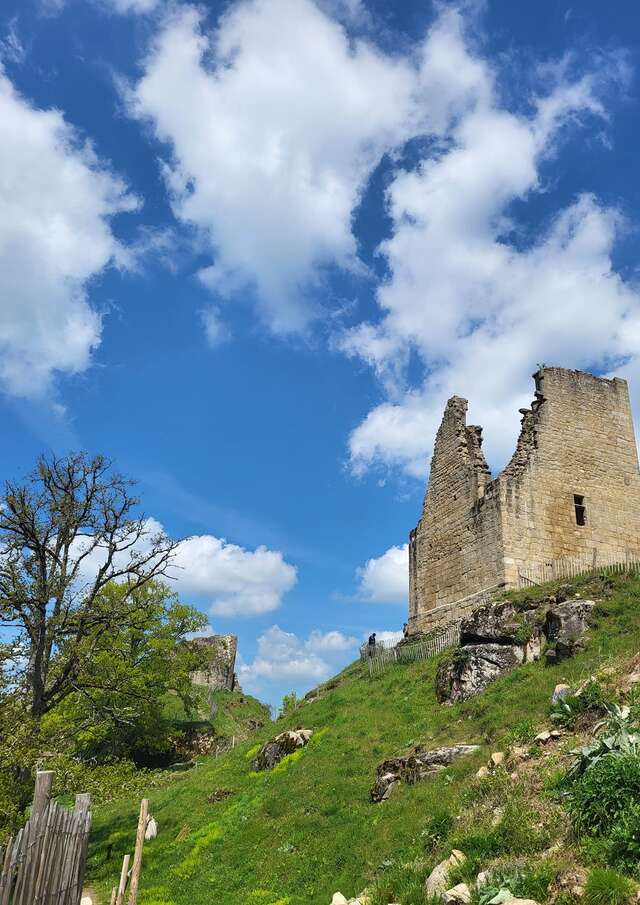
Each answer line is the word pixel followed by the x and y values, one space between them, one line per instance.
pixel 286 743
pixel 419 764
pixel 501 623
pixel 473 667
pixel 565 626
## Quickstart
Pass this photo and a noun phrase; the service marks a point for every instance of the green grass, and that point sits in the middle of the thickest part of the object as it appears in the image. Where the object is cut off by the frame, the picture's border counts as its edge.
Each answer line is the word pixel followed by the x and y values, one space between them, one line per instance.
pixel 228 712
pixel 307 829
pixel 606 887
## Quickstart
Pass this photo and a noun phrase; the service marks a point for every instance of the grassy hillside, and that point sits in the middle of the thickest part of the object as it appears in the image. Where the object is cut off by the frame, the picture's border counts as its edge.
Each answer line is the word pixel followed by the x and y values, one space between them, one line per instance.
pixel 229 713
pixel 299 833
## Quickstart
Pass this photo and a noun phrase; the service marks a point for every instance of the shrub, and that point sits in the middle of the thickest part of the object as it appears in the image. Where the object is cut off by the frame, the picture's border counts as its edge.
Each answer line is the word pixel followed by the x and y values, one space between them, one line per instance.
pixel 565 711
pixel 623 844
pixel 520 880
pixel 614 735
pixel 606 887
pixel 603 793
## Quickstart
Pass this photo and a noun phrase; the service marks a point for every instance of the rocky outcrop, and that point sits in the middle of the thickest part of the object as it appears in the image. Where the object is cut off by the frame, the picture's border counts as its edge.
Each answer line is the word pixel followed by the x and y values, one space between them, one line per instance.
pixel 414 767
pixel 473 667
pixel 218 655
pixel 565 626
pixel 272 752
pixel 498 637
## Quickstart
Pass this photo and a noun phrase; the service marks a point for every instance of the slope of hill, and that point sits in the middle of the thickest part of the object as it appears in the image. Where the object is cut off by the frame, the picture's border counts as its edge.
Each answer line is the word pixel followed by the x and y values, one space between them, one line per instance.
pixel 299 833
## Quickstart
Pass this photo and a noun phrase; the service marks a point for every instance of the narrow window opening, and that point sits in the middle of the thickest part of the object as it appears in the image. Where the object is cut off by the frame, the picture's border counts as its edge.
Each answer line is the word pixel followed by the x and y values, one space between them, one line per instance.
pixel 581 510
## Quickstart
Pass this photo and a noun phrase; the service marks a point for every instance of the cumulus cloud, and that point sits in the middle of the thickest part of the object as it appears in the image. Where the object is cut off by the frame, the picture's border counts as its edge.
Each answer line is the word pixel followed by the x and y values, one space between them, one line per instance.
pixel 283 657
pixel 385 579
pixel 235 581
pixel 239 582
pixel 477 302
pixel 276 121
pixel 57 200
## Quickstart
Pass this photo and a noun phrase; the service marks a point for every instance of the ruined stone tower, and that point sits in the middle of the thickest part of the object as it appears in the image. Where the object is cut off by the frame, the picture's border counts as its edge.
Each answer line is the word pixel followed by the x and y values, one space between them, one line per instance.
pixel 219 671
pixel 572 488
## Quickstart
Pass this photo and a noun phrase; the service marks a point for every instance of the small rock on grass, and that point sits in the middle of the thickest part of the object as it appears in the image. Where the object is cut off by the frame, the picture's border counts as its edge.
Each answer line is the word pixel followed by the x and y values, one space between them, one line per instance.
pixel 457 895
pixel 438 880
pixel 559 692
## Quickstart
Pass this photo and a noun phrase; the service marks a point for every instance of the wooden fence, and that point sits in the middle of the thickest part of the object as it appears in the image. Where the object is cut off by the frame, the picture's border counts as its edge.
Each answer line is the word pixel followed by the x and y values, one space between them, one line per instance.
pixel 44 864
pixel 572 566
pixel 417 650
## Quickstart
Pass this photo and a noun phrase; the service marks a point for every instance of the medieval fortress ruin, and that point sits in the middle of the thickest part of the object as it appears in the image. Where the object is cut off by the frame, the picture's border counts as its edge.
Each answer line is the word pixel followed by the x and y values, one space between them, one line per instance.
pixel 219 671
pixel 571 489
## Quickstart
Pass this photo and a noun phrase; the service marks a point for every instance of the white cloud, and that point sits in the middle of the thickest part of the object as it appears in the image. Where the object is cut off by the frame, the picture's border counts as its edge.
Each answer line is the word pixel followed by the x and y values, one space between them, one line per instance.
pixel 11 46
pixel 133 6
pixel 57 200
pixel 276 121
pixel 215 330
pixel 283 657
pixel 385 579
pixel 236 581
pixel 479 304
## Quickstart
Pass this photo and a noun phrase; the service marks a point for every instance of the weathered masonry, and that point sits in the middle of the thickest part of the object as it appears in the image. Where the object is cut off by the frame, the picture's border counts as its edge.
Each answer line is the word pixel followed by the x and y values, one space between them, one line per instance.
pixel 219 672
pixel 572 488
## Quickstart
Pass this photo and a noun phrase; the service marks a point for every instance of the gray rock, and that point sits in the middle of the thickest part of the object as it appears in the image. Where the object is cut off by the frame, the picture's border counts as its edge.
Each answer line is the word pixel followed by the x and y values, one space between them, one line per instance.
pixel 500 623
pixel 473 667
pixel 419 764
pixel 559 692
pixel 566 624
pixel 272 752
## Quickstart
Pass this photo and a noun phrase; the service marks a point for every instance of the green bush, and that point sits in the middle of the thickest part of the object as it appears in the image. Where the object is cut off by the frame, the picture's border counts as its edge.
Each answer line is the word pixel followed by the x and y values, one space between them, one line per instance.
pixel 606 887
pixel 603 793
pixel 623 844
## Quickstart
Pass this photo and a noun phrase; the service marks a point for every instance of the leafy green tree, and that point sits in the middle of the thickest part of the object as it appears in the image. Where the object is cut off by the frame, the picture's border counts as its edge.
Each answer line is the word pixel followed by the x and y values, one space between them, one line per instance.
pixel 117 708
pixel 70 530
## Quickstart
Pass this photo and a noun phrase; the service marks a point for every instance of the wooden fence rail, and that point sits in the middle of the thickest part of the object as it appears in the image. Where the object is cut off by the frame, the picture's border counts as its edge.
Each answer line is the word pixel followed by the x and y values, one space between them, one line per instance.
pixel 385 653
pixel 418 650
pixel 572 566
pixel 44 864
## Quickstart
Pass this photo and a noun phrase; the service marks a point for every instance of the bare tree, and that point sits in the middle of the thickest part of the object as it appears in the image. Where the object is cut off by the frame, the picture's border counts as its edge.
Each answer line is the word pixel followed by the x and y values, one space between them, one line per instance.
pixel 69 530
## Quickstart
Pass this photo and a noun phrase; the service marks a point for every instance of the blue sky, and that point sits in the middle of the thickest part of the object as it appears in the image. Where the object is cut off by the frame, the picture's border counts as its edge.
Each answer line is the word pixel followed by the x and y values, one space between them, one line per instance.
pixel 248 250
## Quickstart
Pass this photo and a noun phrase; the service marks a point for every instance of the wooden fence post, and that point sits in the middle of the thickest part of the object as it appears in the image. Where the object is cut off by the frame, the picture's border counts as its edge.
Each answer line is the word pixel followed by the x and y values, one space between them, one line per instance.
pixel 122 885
pixel 137 855
pixel 42 792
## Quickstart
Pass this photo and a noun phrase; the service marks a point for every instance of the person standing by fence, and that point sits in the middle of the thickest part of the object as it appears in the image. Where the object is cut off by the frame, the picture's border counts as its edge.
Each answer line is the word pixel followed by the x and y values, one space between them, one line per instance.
pixel 371 645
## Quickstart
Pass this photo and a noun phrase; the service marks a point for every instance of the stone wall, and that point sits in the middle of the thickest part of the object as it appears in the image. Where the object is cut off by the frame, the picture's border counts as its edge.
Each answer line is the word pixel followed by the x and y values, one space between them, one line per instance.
pixel 456 547
pixel 576 447
pixel 577 441
pixel 219 673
